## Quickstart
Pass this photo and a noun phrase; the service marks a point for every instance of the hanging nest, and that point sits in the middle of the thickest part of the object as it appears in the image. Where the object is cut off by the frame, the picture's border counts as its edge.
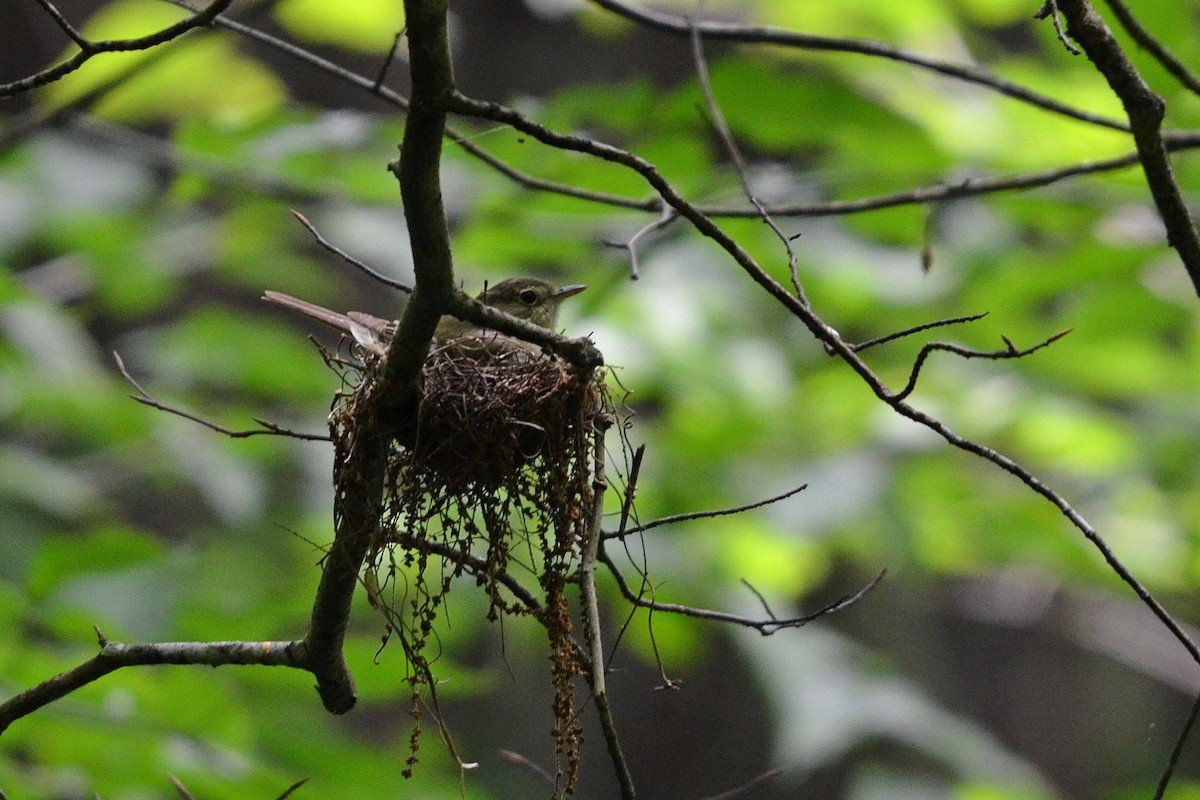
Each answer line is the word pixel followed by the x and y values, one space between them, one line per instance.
pixel 495 467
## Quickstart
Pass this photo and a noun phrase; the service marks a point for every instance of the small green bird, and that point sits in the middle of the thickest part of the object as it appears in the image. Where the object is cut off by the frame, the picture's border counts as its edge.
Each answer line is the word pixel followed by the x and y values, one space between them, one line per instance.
pixel 530 299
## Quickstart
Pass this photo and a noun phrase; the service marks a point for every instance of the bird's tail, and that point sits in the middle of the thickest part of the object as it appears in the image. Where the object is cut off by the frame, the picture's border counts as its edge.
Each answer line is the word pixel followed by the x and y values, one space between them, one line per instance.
pixel 331 318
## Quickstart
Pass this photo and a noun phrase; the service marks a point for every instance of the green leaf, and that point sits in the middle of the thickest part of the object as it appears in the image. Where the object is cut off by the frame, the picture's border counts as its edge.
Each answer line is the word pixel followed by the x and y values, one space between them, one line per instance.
pixel 367 26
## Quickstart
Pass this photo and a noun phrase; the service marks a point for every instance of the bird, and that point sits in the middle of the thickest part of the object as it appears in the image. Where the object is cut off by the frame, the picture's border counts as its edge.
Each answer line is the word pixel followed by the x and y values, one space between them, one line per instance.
pixel 531 299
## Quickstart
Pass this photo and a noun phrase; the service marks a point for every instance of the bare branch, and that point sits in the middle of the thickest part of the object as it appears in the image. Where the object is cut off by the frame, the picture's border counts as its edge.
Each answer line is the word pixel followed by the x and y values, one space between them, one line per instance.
pixel 63 23
pixel 1050 9
pixel 1145 110
pixel 179 787
pixel 719 123
pixel 766 627
pixel 288 791
pixel 665 218
pixel 690 515
pixel 750 34
pixel 88 48
pixel 349 259
pixel 1176 751
pixel 1146 40
pixel 114 656
pixel 591 623
pixel 268 428
pixel 387 62
pixel 757 780
pixel 523 762
pixel 830 338
pixel 1010 351
pixel 1174 140
pixel 891 337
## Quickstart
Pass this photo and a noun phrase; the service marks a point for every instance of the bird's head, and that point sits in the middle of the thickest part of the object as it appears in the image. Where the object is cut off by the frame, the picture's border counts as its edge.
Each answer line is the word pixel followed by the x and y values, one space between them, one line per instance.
pixel 530 299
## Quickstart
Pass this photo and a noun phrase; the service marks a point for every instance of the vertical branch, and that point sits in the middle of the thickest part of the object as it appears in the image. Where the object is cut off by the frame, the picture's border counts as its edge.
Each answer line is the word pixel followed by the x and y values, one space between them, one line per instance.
pixel 419 173
pixel 384 399
pixel 1145 110
pixel 591 622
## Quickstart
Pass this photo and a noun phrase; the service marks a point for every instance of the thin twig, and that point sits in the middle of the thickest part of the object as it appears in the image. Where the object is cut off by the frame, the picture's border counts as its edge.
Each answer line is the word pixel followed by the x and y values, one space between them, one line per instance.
pixel 635 469
pixel 1176 751
pixel 88 48
pixel 758 780
pixel 115 655
pixel 1050 9
pixel 523 762
pixel 349 259
pixel 721 126
pixel 1145 110
pixel 690 515
pixel 766 627
pixel 62 22
pixel 665 218
pixel 1174 140
pixel 762 600
pixel 830 338
pixel 751 34
pixel 268 428
pixel 1010 351
pixel 891 337
pixel 591 623
pixel 387 62
pixel 288 791
pixel 179 787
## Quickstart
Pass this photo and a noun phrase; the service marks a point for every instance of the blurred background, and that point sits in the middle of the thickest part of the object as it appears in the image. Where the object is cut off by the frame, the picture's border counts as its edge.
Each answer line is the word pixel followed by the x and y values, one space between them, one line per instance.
pixel 1000 658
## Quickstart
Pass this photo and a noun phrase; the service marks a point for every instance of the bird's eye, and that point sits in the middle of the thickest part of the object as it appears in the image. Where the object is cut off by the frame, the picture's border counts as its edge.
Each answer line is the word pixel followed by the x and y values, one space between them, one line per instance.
pixel 528 297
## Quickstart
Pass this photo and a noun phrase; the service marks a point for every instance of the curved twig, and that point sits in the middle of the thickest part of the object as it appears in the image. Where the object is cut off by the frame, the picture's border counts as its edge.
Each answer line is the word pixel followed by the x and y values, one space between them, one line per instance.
pixel 88 48
pixel 891 337
pixel 1151 45
pixel 766 627
pixel 349 259
pixel 1010 351
pixel 624 531
pixel 1173 140
pixel 721 126
pixel 267 429
pixel 754 34
pixel 830 338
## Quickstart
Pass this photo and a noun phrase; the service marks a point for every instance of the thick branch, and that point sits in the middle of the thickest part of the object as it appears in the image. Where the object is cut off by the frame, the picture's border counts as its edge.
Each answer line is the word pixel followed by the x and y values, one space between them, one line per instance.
pixel 114 656
pixel 1145 110
pixel 1146 40
pixel 358 500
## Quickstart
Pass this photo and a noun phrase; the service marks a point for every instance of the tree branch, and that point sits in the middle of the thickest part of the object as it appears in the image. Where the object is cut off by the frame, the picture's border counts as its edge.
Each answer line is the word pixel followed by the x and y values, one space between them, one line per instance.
pixel 115 655
pixel 828 336
pixel 358 490
pixel 753 34
pixel 1145 110
pixel 88 48
pixel 1151 45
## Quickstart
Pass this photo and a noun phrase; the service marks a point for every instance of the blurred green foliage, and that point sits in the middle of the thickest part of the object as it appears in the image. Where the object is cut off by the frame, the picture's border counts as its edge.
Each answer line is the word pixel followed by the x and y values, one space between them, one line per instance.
pixel 151 228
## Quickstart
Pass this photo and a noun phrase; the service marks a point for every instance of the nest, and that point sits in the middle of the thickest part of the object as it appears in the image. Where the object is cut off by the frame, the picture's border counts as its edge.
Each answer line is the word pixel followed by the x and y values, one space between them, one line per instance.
pixel 490 406
pixel 494 469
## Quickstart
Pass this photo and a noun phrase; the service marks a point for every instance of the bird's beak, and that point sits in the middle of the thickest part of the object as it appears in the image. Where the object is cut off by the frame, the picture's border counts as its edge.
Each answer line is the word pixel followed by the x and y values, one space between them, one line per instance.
pixel 564 292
